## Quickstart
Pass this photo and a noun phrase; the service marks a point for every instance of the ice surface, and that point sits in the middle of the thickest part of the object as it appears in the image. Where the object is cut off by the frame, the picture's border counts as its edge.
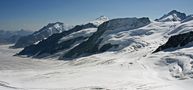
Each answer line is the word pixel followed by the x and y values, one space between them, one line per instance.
pixel 116 71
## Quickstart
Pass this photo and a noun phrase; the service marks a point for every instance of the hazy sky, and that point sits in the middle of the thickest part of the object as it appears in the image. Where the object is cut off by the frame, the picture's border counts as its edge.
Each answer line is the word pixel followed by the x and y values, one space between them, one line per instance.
pixel 33 14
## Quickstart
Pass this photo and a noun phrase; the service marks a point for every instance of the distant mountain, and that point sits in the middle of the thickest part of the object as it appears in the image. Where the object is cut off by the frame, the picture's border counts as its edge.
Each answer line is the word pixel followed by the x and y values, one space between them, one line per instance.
pixel 60 42
pixel 99 20
pixel 10 37
pixel 174 15
pixel 41 34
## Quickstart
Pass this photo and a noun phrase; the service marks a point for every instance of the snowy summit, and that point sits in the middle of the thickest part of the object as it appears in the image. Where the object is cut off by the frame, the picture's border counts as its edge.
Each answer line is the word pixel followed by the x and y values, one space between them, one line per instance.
pixel 100 20
pixel 174 15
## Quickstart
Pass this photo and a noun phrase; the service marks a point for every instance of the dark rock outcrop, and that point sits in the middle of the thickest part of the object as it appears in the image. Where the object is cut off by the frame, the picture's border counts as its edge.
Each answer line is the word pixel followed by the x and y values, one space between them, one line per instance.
pixel 176 41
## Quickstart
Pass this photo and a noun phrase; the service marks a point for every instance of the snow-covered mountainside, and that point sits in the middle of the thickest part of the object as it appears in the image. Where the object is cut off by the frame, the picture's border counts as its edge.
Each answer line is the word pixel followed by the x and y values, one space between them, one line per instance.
pixel 73 43
pixel 181 36
pixel 177 41
pixel 172 16
pixel 10 37
pixel 62 42
pixel 188 18
pixel 110 35
pixel 58 44
pixel 39 35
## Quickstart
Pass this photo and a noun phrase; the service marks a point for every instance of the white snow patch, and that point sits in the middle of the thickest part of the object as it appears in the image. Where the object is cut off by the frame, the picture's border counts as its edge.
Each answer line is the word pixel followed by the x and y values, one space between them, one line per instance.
pixel 84 33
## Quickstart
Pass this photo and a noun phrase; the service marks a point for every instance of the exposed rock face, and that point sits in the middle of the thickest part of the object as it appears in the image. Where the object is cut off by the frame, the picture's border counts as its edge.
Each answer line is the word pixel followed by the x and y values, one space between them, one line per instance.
pixel 172 16
pixel 55 43
pixel 39 35
pixel 176 41
pixel 95 43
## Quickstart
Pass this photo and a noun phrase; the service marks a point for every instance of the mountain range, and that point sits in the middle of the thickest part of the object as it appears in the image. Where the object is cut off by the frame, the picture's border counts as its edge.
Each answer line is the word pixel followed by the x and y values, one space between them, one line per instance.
pixel 49 30
pixel 61 42
pixel 112 35
pixel 11 37
pixel 41 34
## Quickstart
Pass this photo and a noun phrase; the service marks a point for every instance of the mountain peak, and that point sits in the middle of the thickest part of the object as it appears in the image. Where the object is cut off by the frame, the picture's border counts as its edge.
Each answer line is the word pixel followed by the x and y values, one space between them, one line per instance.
pixel 52 24
pixel 100 20
pixel 174 11
pixel 173 15
pixel 58 25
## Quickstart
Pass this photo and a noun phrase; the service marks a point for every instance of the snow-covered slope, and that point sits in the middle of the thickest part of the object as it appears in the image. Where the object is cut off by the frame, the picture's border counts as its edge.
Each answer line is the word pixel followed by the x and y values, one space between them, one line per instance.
pixel 188 18
pixel 137 70
pixel 60 43
pixel 172 16
pixel 82 33
pixel 39 35
pixel 108 36
pixel 180 36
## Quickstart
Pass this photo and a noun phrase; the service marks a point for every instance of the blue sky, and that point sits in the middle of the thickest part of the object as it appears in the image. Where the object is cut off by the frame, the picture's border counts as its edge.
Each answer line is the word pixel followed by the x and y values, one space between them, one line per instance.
pixel 33 14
